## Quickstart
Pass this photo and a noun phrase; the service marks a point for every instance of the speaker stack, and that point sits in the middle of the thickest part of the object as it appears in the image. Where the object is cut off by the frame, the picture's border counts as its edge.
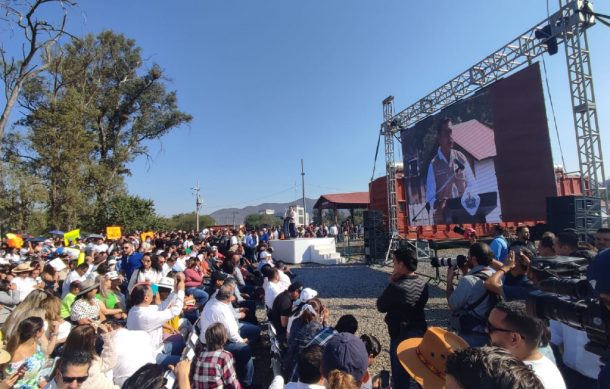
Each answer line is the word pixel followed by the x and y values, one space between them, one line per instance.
pixel 375 236
pixel 581 213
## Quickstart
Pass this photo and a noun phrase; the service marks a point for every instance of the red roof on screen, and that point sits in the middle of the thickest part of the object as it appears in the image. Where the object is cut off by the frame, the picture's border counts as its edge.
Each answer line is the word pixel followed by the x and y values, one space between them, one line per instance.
pixel 476 138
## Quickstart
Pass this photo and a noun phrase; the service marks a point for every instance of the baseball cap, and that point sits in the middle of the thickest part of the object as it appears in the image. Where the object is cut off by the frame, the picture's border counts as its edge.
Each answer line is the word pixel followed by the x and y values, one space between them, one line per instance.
pixel 307 294
pixel 345 352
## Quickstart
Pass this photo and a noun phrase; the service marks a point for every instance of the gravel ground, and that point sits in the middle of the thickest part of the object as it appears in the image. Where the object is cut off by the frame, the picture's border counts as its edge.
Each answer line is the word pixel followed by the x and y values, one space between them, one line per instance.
pixel 353 289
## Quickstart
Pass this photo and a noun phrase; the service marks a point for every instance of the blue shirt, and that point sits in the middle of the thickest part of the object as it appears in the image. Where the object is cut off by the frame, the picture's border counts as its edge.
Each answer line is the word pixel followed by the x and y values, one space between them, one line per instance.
pixel 130 263
pixel 598 273
pixel 499 246
pixel 516 288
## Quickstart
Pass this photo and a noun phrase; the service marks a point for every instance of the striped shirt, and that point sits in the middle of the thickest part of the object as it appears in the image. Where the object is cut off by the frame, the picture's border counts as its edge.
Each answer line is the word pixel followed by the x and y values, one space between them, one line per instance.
pixel 214 369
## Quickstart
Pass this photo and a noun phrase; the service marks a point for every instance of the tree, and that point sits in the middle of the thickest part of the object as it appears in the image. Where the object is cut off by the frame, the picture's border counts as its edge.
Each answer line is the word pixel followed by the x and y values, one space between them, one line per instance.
pixel 89 115
pixel 258 220
pixel 40 36
pixel 132 213
pixel 188 221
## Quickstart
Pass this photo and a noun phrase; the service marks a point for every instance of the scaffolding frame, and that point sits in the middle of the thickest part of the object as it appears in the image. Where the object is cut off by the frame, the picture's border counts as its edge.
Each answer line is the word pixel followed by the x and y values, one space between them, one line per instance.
pixel 567 26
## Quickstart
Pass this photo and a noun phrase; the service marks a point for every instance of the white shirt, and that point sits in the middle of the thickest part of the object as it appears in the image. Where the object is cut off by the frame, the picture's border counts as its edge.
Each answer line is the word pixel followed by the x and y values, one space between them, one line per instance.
pixel 24 286
pixel 133 350
pixel 100 248
pixel 547 372
pixel 152 318
pixel 272 290
pixel 72 276
pixel 285 280
pixel 574 354
pixel 140 275
pixel 218 312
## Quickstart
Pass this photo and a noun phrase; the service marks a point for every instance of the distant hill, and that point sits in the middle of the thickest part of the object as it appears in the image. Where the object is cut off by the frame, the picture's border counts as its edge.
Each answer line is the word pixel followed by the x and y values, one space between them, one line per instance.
pixel 225 215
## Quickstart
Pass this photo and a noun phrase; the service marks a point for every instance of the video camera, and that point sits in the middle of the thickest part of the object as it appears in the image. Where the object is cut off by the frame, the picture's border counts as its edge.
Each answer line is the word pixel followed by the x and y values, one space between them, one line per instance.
pixel 458 261
pixel 567 297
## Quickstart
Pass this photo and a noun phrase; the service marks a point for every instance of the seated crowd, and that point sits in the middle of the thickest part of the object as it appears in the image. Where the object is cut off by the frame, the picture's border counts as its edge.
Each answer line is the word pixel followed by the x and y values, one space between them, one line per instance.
pixel 180 310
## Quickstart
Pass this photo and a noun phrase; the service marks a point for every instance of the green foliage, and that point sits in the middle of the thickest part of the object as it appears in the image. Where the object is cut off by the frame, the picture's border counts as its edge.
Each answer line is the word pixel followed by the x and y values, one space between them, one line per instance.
pixel 188 221
pixel 258 220
pixel 89 114
pixel 132 213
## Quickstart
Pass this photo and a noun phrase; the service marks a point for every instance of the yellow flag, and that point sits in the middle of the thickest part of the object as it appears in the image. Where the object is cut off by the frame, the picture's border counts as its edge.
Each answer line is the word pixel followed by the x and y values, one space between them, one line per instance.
pixel 81 258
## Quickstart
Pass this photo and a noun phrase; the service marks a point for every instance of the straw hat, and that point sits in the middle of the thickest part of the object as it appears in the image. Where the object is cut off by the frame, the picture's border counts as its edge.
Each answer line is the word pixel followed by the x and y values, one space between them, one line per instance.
pixel 23 267
pixel 88 285
pixel 424 358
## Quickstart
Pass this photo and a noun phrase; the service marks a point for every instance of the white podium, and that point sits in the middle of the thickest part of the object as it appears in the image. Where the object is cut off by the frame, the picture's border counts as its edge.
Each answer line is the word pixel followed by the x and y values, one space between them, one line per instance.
pixel 303 250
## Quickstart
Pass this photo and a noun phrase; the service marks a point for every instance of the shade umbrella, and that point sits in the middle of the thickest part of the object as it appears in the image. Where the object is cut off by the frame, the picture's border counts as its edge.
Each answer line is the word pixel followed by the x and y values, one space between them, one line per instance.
pixel 95 236
pixel 56 232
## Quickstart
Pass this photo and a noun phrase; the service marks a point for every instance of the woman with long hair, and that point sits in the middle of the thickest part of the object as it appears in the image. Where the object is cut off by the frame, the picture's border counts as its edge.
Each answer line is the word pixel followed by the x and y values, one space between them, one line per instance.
pixel 304 329
pixel 82 339
pixel 29 347
pixel 28 307
pixel 50 278
pixel 52 309
pixel 147 273
pixel 111 303
pixel 194 281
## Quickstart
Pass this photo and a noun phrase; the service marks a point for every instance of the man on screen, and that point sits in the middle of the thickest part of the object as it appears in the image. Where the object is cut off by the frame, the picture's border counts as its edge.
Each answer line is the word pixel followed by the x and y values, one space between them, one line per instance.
pixel 449 176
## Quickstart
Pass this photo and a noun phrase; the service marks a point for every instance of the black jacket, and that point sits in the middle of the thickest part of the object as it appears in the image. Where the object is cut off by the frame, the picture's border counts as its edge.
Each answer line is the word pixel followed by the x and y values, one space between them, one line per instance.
pixel 403 301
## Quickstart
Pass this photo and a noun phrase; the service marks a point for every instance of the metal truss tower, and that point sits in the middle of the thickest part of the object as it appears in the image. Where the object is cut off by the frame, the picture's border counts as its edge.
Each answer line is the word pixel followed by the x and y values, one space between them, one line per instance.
pixel 567 26
pixel 388 131
pixel 578 58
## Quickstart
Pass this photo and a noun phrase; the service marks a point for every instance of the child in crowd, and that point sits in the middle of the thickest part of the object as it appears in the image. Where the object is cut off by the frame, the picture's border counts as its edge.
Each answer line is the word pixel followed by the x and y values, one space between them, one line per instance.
pixel 66 303
pixel 214 368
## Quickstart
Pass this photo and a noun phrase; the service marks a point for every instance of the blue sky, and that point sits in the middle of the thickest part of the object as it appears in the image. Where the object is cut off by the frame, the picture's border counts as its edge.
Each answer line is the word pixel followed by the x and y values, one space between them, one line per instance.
pixel 272 81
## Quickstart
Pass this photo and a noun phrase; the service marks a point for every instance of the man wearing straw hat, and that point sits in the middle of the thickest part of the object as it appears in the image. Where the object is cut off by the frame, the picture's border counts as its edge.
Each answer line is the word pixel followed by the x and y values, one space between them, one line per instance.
pixel 24 284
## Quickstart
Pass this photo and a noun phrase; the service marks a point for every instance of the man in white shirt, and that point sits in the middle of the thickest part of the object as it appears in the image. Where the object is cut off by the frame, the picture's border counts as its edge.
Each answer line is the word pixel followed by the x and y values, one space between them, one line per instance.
pixel 78 274
pixel 272 285
pixel 24 284
pixel 150 318
pixel 511 328
pixel 219 310
pixel 133 350
pixel 581 367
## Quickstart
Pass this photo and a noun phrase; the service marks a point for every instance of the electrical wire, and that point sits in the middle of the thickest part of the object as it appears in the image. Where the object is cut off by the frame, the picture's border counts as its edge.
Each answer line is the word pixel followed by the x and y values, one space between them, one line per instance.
pixel 548 90
pixel 376 154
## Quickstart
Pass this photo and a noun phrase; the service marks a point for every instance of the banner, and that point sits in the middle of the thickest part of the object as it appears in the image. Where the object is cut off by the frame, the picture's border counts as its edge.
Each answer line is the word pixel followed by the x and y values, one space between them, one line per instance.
pixel 71 236
pixel 147 234
pixel 113 233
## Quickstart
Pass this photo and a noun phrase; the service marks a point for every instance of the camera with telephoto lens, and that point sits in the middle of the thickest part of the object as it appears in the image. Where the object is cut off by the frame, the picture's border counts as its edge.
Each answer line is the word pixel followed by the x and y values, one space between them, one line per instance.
pixel 567 297
pixel 458 261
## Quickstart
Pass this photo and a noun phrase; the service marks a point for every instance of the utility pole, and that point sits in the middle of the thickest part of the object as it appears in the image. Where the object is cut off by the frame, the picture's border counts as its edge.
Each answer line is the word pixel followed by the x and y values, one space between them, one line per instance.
pixel 198 203
pixel 303 187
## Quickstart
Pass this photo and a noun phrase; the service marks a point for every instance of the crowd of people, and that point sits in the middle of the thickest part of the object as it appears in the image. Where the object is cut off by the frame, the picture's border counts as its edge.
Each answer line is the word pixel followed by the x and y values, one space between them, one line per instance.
pixel 181 309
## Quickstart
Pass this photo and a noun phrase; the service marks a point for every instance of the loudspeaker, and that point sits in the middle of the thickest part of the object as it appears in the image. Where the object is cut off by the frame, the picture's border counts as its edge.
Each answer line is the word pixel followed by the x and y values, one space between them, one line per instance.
pixel 577 212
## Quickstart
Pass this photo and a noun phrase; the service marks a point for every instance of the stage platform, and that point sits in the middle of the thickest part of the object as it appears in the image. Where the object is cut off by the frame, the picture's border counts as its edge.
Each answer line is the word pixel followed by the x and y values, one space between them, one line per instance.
pixel 304 250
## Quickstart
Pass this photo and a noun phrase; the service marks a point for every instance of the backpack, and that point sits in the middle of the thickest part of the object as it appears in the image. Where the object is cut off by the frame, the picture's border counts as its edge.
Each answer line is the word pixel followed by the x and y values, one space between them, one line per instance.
pixel 465 319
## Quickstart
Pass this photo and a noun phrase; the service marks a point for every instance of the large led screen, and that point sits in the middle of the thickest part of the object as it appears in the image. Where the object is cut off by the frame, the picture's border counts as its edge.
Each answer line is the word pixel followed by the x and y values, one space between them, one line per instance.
pixel 485 159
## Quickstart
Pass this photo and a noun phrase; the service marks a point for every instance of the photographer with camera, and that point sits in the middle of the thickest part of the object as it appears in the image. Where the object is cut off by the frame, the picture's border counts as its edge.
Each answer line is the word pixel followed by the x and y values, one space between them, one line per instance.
pixel 403 301
pixel 510 281
pixel 471 302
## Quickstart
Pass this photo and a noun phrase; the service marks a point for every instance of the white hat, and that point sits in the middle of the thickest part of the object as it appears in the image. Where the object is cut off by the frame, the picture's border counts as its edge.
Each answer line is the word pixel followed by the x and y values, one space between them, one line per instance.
pixel 166 282
pixel 112 275
pixel 307 294
pixel 263 255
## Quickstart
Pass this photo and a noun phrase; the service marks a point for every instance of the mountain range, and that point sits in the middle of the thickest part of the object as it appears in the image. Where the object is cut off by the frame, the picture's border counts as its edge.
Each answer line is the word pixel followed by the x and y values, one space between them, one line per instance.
pixel 226 215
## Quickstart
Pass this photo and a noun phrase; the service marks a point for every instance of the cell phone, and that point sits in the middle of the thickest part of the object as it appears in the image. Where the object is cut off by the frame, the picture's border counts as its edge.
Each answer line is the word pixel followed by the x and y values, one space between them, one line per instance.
pixel 385 378
pixel 170 379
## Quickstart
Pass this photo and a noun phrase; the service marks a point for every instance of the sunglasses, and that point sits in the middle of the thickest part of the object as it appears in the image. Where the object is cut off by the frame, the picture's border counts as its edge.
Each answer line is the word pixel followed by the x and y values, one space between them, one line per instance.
pixel 68 380
pixel 490 328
